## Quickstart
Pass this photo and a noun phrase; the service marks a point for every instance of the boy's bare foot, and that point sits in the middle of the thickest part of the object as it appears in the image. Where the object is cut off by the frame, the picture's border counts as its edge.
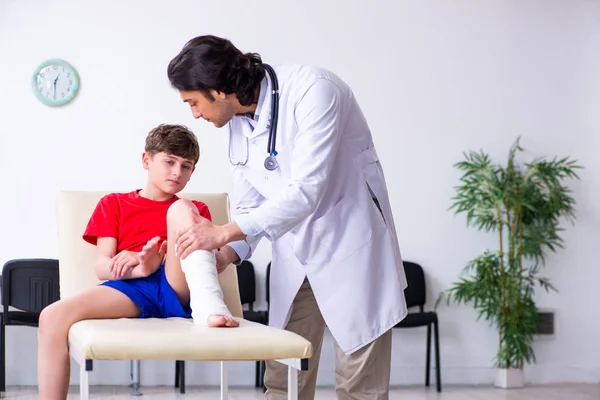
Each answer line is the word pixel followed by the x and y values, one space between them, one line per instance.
pixel 216 321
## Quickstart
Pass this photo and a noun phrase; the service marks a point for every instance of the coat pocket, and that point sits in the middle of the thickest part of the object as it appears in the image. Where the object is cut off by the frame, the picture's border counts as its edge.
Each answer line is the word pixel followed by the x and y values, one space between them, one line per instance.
pixel 335 236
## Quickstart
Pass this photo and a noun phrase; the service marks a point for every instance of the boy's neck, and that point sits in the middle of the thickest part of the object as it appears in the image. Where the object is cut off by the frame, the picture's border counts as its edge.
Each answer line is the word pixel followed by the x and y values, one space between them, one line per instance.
pixel 152 193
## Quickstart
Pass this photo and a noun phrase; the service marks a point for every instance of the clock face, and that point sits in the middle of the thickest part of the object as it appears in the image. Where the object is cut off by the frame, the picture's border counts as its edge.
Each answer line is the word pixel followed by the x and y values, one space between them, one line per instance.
pixel 55 82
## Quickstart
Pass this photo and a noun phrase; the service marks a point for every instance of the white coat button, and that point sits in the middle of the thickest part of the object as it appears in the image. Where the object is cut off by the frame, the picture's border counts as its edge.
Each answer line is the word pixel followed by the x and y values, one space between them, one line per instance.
pixel 294 232
pixel 268 126
pixel 303 262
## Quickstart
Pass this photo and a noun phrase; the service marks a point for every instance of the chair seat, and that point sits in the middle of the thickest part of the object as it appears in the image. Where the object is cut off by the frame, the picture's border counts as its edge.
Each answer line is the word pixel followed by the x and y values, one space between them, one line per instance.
pixel 256 316
pixel 180 339
pixel 417 319
pixel 22 318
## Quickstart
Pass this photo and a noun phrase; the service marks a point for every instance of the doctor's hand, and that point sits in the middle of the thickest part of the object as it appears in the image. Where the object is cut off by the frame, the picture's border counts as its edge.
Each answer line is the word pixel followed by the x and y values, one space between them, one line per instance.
pixel 225 256
pixel 202 235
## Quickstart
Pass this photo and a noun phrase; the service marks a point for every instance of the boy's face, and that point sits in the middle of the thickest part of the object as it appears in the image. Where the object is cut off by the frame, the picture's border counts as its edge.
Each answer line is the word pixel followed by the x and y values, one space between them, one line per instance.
pixel 168 172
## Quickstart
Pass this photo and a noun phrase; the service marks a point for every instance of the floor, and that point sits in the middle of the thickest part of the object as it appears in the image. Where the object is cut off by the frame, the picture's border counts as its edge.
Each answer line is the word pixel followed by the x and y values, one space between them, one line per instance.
pixel 547 392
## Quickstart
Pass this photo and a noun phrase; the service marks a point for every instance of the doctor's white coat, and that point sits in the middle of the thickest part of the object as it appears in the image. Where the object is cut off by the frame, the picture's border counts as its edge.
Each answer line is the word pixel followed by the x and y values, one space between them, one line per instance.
pixel 318 207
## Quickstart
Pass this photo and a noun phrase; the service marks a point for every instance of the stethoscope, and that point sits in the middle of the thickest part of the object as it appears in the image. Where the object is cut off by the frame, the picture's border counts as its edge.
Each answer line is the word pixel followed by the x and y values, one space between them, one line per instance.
pixel 270 162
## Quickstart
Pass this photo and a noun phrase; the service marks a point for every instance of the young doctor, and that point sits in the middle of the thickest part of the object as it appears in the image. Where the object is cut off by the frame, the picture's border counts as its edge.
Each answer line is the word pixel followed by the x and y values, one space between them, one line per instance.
pixel 307 178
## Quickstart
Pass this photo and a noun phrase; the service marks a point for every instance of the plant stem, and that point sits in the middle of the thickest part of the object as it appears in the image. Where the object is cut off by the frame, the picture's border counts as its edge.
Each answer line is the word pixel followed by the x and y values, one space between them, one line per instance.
pixel 520 263
pixel 500 218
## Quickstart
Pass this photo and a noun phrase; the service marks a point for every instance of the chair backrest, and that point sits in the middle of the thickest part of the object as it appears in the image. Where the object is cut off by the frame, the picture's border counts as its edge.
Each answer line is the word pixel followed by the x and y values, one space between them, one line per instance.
pixel 30 284
pixel 415 293
pixel 246 283
pixel 76 255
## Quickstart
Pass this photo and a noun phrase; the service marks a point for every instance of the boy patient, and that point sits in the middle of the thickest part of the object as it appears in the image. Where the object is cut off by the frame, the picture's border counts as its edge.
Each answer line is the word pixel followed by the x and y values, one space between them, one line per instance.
pixel 134 234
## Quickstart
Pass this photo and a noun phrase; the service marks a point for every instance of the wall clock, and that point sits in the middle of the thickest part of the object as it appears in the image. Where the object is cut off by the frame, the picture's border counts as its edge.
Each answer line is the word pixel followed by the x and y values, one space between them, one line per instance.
pixel 55 82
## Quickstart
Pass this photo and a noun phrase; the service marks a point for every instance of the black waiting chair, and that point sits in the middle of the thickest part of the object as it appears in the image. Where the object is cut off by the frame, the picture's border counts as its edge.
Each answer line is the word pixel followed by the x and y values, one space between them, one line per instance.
pixel 28 286
pixel 415 295
pixel 247 288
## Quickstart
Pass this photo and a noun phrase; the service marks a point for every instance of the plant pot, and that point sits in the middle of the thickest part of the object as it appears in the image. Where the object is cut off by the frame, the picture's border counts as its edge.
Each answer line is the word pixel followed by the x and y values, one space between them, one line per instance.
pixel 509 378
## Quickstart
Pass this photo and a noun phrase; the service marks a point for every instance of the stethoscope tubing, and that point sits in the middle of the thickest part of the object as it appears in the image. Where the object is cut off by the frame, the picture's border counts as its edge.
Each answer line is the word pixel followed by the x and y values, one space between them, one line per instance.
pixel 270 162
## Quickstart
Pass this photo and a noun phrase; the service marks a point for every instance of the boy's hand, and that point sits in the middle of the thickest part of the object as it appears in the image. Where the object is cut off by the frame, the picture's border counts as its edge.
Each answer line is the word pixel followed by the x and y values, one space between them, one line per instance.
pixel 151 256
pixel 148 260
pixel 122 263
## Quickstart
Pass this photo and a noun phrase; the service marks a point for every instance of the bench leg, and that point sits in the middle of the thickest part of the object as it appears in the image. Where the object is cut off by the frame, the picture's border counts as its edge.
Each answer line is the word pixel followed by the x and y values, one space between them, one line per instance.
pixel 135 377
pixel 292 383
pixel 224 383
pixel 84 383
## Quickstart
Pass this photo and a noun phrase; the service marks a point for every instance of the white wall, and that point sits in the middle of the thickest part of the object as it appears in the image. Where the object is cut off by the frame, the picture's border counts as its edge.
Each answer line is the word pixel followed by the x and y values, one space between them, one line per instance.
pixel 434 78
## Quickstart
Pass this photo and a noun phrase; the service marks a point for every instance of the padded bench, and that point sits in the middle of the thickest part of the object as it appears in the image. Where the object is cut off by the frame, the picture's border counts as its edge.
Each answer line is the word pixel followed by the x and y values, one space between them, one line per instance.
pixel 163 339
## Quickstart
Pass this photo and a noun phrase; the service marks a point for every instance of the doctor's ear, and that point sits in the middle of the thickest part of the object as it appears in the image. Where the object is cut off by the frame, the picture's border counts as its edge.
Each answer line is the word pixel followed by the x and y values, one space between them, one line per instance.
pixel 218 95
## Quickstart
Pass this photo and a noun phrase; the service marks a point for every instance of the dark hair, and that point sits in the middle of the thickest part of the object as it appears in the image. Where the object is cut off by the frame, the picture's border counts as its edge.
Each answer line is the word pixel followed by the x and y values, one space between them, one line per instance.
pixel 210 62
pixel 175 140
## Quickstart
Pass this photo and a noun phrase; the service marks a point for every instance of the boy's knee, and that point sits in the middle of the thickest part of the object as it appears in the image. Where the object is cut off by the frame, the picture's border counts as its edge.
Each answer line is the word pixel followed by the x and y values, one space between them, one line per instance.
pixel 45 320
pixel 53 317
pixel 181 211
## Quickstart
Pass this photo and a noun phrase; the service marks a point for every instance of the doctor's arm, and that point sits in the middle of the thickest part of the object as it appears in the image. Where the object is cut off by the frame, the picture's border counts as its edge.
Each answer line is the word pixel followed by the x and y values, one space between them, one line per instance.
pixel 244 199
pixel 318 115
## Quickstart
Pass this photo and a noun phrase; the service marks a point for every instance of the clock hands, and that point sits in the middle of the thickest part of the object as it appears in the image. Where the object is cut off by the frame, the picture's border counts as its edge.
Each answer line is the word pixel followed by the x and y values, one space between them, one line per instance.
pixel 55 80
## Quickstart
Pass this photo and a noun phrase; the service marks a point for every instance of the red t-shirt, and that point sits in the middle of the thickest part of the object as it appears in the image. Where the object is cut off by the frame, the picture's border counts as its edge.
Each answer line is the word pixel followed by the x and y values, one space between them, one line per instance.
pixel 132 219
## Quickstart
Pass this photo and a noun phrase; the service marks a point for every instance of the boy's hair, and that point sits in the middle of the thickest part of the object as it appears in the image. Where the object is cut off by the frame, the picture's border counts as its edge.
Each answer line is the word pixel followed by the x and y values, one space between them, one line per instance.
pixel 176 140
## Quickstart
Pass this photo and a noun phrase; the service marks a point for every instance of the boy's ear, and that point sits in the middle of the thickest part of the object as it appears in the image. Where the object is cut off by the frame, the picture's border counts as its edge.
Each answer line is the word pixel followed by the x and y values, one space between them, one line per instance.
pixel 146 160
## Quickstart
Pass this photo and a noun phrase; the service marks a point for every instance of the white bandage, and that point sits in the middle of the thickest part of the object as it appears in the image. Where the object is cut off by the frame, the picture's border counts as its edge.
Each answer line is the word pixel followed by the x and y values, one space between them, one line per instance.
pixel 206 296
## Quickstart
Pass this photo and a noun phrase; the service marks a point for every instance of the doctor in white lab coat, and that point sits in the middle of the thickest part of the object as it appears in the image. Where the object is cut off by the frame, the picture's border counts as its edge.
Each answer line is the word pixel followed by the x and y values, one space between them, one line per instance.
pixel 336 260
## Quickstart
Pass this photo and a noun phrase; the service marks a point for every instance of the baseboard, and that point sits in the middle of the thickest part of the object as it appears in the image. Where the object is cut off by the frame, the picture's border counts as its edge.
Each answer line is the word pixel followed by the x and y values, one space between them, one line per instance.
pixel 535 374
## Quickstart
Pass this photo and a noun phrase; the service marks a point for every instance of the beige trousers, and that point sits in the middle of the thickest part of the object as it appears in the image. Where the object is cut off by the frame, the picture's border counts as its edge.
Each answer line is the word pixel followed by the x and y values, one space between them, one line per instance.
pixel 364 374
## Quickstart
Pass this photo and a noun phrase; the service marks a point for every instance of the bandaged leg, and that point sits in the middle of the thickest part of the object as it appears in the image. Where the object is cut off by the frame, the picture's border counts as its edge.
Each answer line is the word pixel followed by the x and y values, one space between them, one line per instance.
pixel 206 296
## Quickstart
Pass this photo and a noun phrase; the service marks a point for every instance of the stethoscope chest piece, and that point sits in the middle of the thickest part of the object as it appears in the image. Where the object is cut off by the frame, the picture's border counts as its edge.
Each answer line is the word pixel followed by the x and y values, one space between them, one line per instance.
pixel 271 162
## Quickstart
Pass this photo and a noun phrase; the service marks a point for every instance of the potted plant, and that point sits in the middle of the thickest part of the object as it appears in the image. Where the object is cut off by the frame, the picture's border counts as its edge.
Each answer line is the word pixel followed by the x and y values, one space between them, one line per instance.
pixel 523 203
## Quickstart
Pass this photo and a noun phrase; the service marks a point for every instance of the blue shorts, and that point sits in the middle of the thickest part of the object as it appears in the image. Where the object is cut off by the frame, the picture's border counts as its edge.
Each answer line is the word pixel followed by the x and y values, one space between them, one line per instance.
pixel 153 295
